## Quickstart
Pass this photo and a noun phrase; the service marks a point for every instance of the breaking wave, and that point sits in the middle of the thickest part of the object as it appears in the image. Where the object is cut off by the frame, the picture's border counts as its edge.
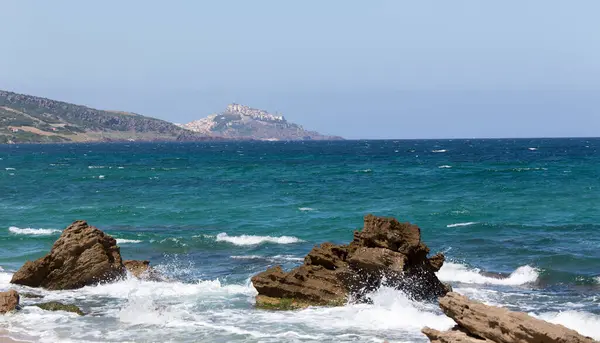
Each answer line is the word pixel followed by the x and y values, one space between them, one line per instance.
pixel 455 272
pixel 34 232
pixel 127 241
pixel 583 322
pixel 461 224
pixel 254 240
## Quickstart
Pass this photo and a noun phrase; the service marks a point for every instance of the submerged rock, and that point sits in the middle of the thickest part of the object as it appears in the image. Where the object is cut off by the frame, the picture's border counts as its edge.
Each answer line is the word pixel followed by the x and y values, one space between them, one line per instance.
pixel 83 255
pixel 57 306
pixel 385 252
pixel 479 323
pixel 9 301
pixel 31 295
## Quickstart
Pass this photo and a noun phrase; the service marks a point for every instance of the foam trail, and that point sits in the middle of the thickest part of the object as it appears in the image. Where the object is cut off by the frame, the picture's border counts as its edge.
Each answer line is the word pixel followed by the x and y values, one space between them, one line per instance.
pixel 126 241
pixel 30 231
pixel 254 240
pixel 461 224
pixel 445 166
pixel 532 149
pixel 585 323
pixel 454 272
pixel 438 151
pixel 306 209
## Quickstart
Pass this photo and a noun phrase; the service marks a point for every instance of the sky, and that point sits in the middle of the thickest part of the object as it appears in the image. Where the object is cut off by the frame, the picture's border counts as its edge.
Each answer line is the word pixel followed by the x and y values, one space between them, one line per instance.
pixel 360 69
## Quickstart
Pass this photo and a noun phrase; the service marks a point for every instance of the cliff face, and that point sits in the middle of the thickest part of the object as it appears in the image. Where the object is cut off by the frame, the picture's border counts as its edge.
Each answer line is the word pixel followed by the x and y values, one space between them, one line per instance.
pixel 243 122
pixel 26 118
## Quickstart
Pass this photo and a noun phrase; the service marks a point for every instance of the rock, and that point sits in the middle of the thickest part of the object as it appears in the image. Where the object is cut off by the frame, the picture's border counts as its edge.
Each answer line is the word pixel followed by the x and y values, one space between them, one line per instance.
pixel 307 284
pixel 137 268
pixel 57 306
pixel 31 295
pixel 452 336
pixel 495 324
pixel 83 255
pixel 9 301
pixel 436 261
pixel 385 251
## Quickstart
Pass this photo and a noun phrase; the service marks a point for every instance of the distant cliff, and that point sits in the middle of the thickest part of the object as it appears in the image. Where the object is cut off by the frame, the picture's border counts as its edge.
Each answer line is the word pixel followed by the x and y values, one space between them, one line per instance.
pixel 31 119
pixel 243 122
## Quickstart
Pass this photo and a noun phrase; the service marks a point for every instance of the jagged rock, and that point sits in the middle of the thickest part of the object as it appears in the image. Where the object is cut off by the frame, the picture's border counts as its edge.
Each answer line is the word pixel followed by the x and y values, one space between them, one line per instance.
pixel 384 251
pixel 137 268
pixel 57 306
pixel 83 255
pixel 499 325
pixel 436 261
pixel 9 301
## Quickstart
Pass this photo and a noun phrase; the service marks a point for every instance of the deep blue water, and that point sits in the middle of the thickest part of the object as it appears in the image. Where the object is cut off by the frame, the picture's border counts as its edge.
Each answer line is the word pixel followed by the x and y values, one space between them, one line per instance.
pixel 213 214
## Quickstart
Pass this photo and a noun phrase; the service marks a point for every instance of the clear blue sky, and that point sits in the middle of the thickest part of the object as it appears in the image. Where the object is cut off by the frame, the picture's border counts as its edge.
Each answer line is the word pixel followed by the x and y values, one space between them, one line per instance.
pixel 389 69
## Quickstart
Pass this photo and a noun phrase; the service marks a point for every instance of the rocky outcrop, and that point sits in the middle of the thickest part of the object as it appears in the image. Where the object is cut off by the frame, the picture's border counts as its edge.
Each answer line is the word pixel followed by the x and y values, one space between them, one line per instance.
pixel 9 301
pixel 385 252
pixel 479 323
pixel 243 122
pixel 83 255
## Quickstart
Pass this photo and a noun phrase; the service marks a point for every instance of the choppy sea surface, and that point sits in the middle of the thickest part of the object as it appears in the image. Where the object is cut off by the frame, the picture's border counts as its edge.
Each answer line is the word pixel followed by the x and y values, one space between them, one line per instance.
pixel 518 220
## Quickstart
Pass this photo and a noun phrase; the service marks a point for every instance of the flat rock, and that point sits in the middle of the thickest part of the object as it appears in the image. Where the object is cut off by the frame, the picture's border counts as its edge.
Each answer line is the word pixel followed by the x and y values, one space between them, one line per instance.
pixel 83 255
pixel 9 301
pixel 499 325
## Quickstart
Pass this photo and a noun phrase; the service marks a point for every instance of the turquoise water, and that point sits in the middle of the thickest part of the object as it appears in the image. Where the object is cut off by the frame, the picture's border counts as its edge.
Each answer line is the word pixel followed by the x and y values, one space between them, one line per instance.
pixel 517 219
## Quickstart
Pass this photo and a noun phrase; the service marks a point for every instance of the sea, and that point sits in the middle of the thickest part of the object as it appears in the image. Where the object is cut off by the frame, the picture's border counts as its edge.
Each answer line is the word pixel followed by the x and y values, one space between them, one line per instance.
pixel 518 220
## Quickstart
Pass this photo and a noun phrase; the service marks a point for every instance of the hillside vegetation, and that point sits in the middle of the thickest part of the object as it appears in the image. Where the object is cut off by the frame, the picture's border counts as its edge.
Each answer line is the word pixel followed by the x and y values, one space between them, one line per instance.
pixel 31 119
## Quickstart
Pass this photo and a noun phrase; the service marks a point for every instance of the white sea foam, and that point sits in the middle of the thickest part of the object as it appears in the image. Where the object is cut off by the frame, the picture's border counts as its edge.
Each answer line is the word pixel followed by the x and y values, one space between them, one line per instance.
pixel 438 151
pixel 445 166
pixel 454 272
pixel 9 168
pixel 366 171
pixel 271 258
pixel 126 241
pixel 96 167
pixel 532 149
pixel 30 231
pixel 253 240
pixel 306 209
pixel 597 279
pixel 585 323
pixel 461 224
pixel 101 177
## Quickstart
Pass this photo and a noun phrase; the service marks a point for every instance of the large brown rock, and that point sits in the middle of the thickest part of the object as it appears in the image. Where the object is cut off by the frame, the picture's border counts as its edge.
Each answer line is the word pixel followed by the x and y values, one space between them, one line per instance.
pixel 83 255
pixel 384 252
pixel 480 323
pixel 9 301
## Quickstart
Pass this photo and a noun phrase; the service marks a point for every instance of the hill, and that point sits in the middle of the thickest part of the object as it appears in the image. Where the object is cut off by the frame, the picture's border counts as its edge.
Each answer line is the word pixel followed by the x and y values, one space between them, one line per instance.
pixel 31 119
pixel 243 122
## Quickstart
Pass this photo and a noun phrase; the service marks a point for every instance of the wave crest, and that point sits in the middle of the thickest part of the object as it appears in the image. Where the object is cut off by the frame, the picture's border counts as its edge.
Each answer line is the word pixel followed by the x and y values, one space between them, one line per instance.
pixel 31 231
pixel 461 224
pixel 126 241
pixel 585 323
pixel 455 272
pixel 254 240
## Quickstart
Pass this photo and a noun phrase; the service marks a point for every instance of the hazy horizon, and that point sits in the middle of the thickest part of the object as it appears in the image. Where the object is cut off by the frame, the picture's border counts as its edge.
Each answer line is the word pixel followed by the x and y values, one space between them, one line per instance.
pixel 384 69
